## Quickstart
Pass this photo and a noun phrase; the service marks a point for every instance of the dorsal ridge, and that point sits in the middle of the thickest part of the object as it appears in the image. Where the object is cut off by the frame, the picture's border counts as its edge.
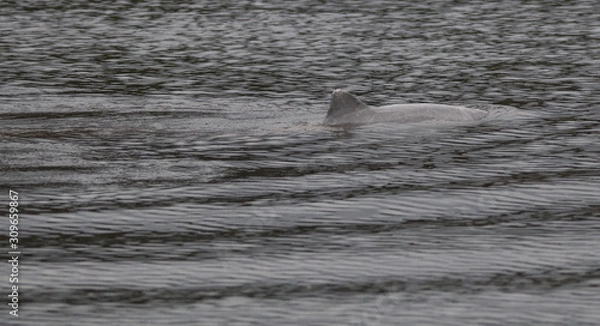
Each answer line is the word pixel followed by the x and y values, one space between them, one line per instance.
pixel 343 103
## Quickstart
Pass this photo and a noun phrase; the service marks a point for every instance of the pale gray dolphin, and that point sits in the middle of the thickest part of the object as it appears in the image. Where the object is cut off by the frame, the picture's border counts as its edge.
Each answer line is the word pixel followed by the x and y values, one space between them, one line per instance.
pixel 346 109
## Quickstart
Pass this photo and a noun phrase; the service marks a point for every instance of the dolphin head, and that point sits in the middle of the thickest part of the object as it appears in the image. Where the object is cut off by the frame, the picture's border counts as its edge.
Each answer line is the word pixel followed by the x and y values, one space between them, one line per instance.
pixel 342 104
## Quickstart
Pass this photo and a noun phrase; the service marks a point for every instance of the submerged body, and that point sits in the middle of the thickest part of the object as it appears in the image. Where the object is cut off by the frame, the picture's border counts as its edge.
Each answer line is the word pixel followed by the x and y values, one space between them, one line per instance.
pixel 346 109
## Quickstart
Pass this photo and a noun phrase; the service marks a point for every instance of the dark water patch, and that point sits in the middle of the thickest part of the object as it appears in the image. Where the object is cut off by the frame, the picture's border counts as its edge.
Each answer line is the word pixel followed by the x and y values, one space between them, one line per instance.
pixel 521 282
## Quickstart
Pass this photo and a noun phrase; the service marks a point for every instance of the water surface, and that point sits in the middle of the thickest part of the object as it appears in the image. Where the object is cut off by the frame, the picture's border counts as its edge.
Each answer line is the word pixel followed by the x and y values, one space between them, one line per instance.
pixel 173 169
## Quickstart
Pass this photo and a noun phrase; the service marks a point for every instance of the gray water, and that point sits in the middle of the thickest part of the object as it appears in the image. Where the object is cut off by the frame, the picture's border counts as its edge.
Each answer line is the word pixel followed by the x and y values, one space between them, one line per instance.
pixel 172 166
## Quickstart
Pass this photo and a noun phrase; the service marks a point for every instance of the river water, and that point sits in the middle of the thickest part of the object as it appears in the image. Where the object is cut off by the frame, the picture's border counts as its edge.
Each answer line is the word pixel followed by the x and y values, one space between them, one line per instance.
pixel 172 167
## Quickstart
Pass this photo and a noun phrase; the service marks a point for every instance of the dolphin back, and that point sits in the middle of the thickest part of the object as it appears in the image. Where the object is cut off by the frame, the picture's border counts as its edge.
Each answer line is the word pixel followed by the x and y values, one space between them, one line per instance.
pixel 343 103
pixel 346 109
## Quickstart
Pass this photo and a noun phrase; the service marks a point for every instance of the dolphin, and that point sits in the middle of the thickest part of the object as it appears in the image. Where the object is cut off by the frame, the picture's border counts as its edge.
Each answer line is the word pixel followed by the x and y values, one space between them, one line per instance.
pixel 345 109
